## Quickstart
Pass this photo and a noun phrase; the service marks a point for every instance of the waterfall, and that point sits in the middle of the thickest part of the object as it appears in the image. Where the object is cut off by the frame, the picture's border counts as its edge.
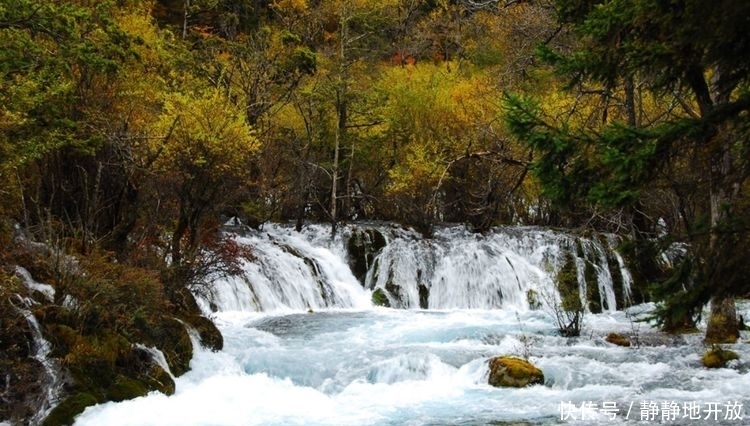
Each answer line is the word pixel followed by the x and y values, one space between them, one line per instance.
pixel 513 267
pixel 507 267
pixel 157 357
pixel 53 380
pixel 288 272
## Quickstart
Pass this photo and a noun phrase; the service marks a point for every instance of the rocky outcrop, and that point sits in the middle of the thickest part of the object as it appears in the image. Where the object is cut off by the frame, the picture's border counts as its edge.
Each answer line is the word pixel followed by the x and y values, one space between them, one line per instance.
pixel 362 247
pixel 507 371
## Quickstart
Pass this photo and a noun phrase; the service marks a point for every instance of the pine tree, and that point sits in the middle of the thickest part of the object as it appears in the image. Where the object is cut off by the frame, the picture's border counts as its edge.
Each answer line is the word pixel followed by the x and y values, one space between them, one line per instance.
pixel 696 56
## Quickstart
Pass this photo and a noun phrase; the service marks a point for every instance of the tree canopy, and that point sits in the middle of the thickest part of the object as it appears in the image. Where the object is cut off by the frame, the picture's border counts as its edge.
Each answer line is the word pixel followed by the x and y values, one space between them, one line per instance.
pixel 137 127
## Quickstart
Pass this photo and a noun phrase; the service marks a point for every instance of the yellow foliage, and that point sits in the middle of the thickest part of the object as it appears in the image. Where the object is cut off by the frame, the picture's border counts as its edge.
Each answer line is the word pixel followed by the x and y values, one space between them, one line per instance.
pixel 290 6
pixel 434 116
pixel 202 133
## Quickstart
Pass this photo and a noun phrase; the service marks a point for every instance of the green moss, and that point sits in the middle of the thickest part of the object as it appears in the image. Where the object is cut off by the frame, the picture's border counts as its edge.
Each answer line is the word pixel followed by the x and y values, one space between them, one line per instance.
pixel 362 247
pixel 618 283
pixel 158 379
pixel 717 357
pixel 69 408
pixel 593 295
pixel 641 257
pixel 569 313
pixel 174 341
pixel 125 388
pixel 722 324
pixel 379 298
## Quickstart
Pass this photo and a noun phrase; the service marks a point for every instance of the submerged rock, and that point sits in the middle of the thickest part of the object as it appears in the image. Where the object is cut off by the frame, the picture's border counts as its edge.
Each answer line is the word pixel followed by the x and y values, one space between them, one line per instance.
pixel 507 371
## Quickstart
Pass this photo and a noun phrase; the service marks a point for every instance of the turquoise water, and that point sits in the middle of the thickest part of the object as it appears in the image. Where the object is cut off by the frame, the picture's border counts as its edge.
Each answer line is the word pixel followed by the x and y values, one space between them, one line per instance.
pixel 412 367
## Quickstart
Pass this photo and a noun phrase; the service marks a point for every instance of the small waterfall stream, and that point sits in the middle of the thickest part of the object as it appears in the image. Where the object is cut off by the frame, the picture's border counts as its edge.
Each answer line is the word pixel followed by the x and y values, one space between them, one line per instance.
pixel 52 378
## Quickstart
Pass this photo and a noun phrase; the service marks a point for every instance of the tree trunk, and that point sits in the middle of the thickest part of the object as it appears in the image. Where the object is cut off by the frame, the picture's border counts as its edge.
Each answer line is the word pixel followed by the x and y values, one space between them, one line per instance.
pixel 341 117
pixel 185 16
pixel 335 169
pixel 179 232
pixel 723 326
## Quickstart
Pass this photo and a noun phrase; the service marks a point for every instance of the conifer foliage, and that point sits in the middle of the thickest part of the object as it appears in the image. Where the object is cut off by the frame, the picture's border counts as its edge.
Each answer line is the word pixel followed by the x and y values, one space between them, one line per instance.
pixel 631 56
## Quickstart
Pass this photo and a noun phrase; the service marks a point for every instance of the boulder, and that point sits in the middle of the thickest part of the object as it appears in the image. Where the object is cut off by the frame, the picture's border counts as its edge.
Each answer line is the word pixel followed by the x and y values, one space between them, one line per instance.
pixel 717 357
pixel 507 371
pixel 618 339
pixel 379 298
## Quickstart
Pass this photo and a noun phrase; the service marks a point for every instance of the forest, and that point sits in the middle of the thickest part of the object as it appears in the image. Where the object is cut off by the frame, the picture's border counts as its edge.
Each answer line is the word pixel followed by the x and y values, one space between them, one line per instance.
pixel 131 130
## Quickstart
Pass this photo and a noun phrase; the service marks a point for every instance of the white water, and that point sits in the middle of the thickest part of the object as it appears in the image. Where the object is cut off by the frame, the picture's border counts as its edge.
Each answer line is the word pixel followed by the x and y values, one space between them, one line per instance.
pixel 298 271
pixel 411 367
pixel 53 381
pixel 465 270
pixel 157 357
pixel 288 273
pixel 347 363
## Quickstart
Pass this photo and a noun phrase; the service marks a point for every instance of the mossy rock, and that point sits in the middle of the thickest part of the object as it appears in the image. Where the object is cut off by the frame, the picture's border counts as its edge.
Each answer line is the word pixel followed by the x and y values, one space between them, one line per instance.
pixel 362 247
pixel 141 366
pixel 184 301
pixel 618 339
pixel 379 298
pixel 211 337
pixel 717 357
pixel 160 380
pixel 394 290
pixel 69 408
pixel 507 371
pixel 172 338
pixel 424 296
pixel 124 388
pixel 178 348
pixel 723 326
pixel 567 285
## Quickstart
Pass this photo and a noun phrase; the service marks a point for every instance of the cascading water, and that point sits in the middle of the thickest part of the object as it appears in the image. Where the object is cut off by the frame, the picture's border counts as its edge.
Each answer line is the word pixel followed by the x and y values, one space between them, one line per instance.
pixel 288 273
pixel 505 268
pixel 346 362
pixel 52 383
pixel 508 267
pixel 392 367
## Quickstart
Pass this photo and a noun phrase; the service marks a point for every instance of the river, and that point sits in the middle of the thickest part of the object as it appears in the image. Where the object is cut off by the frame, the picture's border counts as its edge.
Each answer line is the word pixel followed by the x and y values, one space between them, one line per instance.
pixel 304 346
